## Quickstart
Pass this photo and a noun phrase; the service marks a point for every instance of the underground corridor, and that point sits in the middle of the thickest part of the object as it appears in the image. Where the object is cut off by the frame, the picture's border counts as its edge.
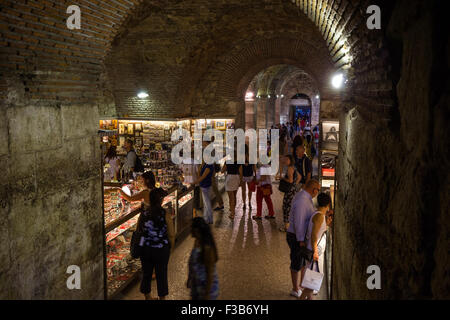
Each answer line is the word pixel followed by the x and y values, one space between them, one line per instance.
pixel 366 94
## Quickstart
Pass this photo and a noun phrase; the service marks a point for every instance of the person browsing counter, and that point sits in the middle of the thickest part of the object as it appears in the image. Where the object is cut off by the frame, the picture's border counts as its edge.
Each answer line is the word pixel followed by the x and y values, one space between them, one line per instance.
pixel 205 182
pixel 317 227
pixel 301 212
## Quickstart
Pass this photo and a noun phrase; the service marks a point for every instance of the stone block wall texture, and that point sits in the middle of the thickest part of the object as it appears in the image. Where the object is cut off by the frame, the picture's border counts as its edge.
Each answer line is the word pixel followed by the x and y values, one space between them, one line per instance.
pixel 393 175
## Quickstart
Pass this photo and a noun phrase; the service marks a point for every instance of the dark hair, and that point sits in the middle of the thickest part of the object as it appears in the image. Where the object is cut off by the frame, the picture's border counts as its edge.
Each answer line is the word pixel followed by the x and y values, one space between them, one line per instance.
pixel 111 153
pixel 323 200
pixel 149 179
pixel 206 237
pixel 156 210
pixel 298 140
pixel 130 142
pixel 291 159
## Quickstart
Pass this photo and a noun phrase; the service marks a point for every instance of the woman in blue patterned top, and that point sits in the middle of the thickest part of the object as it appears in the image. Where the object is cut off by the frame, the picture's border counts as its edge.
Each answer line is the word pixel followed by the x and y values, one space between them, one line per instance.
pixel 203 280
pixel 157 241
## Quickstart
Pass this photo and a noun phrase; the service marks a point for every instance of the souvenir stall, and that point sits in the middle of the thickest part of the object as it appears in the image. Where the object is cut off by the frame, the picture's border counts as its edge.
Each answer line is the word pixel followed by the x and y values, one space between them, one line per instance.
pixel 153 146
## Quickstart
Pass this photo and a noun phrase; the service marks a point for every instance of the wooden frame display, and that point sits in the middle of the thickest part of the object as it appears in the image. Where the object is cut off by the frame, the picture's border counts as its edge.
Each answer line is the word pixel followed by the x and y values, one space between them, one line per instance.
pixel 220 125
pixel 130 129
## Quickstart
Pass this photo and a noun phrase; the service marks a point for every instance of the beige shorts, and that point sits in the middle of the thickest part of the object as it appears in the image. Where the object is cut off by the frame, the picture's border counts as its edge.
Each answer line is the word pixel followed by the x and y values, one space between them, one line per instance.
pixel 232 182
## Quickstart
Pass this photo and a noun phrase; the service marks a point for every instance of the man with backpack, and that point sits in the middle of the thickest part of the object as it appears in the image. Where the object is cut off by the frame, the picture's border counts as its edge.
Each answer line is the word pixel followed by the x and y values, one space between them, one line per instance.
pixel 133 162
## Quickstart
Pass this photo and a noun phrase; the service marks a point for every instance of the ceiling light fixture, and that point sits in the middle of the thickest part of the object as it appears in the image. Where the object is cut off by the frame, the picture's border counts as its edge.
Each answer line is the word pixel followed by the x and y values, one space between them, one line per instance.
pixel 337 81
pixel 142 95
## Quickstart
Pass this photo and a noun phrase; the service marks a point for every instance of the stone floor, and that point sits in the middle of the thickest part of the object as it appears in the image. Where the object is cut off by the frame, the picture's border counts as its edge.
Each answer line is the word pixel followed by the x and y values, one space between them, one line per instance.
pixel 253 258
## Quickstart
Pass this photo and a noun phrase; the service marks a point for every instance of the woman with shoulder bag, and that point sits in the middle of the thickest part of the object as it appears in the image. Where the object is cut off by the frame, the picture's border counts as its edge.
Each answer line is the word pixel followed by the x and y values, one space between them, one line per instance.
pixel 158 240
pixel 292 185
pixel 316 230
pixel 158 236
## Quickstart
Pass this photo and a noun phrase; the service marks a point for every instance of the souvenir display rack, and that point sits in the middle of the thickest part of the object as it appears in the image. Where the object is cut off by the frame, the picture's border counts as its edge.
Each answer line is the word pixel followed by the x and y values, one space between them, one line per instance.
pixel 152 140
pixel 328 157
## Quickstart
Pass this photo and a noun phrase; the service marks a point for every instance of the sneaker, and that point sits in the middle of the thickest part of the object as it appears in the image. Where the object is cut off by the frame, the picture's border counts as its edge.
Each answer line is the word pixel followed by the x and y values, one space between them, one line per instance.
pixel 296 294
pixel 219 208
pixel 315 292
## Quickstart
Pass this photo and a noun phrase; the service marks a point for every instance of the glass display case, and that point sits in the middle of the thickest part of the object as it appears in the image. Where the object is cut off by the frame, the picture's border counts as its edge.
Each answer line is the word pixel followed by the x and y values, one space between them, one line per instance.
pixel 120 221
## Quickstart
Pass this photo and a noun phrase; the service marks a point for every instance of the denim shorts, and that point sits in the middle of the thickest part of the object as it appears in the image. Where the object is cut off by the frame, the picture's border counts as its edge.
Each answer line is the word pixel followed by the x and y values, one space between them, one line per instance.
pixel 297 261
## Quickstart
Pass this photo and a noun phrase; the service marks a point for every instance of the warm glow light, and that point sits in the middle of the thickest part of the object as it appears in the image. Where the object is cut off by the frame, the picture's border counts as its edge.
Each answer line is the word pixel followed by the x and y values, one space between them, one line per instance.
pixel 317 97
pixel 249 95
pixel 338 81
pixel 142 95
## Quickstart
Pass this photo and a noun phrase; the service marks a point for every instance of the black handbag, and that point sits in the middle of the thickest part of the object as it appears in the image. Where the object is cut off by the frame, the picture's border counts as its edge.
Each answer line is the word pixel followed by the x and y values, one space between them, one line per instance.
pixel 135 243
pixel 284 186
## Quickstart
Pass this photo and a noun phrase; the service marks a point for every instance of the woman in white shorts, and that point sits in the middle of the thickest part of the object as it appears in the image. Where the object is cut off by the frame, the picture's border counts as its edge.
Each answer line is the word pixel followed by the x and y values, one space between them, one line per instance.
pixel 232 183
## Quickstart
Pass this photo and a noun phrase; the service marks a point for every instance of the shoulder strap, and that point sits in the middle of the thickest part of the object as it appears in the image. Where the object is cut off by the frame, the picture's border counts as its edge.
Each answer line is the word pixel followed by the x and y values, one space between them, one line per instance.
pixel 304 170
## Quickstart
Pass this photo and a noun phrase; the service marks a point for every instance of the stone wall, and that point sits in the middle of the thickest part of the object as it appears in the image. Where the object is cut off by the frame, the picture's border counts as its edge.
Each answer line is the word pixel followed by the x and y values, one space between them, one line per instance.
pixel 393 174
pixel 51 212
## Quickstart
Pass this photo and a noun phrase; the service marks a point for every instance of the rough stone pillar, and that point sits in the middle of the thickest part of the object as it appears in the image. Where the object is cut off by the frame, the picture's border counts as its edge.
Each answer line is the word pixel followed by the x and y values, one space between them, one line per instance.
pixel 329 109
pixel 270 111
pixel 249 114
pixel 277 117
pixel 315 111
pixel 261 106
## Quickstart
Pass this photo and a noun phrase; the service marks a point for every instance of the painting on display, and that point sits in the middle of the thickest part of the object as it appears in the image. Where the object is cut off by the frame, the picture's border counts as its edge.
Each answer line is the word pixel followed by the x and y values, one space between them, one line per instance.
pixel 209 124
pixel 220 125
pixel 330 131
pixel 130 129
pixel 121 128
pixel 138 127
pixel 121 141
pixel 230 124
pixel 201 124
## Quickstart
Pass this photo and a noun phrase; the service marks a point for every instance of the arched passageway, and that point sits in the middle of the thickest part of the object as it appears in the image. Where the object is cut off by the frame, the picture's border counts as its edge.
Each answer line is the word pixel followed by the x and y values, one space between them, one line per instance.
pixel 197 59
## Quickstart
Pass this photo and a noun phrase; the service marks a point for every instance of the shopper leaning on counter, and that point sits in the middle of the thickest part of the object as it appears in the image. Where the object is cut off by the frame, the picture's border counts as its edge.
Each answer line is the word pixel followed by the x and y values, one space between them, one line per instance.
pixel 159 236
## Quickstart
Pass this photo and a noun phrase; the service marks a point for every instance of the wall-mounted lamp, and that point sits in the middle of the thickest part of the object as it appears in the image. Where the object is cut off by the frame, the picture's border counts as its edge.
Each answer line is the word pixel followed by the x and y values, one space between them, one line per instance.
pixel 142 95
pixel 249 96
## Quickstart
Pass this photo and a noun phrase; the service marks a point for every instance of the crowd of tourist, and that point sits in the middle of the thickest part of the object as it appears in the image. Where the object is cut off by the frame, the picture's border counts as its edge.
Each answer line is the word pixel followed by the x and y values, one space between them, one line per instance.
pixel 303 224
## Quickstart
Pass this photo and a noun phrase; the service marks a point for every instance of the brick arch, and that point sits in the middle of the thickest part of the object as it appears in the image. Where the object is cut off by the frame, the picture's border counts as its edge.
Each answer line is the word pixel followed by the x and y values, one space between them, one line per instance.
pixel 240 67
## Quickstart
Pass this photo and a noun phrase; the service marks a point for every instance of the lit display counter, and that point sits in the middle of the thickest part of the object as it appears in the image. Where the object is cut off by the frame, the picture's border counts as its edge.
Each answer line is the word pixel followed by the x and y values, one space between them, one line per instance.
pixel 120 222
